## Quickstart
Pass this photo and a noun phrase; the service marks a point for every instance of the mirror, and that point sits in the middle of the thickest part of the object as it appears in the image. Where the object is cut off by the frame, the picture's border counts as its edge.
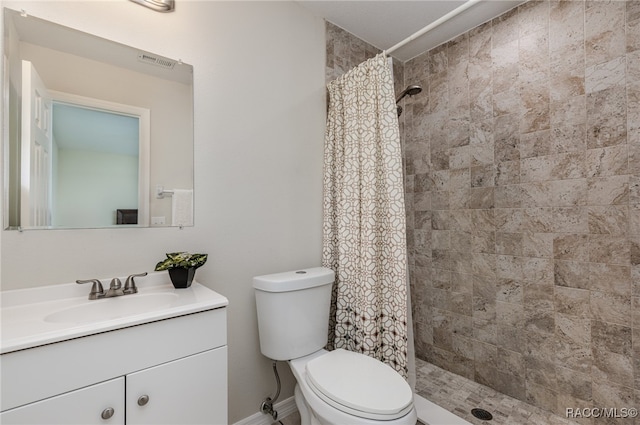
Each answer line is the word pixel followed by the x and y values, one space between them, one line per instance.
pixel 97 134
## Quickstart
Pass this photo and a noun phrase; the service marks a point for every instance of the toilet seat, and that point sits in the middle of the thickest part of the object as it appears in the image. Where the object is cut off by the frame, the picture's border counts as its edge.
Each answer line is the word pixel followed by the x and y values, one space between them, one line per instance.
pixel 359 385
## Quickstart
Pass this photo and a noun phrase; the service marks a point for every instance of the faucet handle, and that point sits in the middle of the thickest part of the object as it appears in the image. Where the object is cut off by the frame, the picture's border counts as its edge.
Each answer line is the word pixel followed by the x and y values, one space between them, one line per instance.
pixel 97 291
pixel 115 283
pixel 130 284
pixel 115 288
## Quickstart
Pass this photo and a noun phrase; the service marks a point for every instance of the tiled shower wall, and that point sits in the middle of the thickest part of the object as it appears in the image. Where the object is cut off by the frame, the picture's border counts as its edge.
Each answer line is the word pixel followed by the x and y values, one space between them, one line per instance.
pixel 523 172
pixel 346 51
pixel 522 164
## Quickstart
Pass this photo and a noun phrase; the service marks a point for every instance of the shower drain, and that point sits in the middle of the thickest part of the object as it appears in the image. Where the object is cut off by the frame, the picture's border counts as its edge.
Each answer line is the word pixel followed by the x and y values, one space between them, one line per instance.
pixel 482 414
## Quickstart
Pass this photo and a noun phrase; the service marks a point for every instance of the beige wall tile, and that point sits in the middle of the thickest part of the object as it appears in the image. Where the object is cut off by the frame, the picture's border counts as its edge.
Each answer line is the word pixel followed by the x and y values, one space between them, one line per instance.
pixel 606 117
pixel 538 245
pixel 604 31
pixel 549 193
pixel 574 383
pixel 609 249
pixel 605 75
pixel 611 394
pixel 608 190
pixel 610 278
pixel 572 301
pixel 525 149
pixel 553 167
pixel 636 360
pixel 570 220
pixel 566 27
pixel 571 246
pixel 611 308
pixel 608 161
pixel 573 343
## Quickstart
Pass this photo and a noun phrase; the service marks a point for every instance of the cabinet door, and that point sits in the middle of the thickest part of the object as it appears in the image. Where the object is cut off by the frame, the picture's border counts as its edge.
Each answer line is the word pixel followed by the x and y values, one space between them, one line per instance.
pixel 192 390
pixel 83 407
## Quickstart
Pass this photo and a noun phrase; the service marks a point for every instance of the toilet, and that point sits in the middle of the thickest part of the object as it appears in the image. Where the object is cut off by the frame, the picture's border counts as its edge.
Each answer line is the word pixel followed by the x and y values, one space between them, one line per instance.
pixel 333 387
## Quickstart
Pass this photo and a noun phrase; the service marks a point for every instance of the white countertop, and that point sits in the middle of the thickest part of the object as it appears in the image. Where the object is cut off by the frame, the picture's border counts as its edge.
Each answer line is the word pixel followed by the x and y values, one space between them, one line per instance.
pixel 25 313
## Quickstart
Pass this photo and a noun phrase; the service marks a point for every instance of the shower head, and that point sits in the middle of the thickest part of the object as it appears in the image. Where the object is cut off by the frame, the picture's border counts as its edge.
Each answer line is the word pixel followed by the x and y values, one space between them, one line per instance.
pixel 410 91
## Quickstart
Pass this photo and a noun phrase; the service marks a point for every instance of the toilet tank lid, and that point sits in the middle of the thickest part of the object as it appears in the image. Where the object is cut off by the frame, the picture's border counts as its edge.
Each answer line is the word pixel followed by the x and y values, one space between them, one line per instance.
pixel 294 280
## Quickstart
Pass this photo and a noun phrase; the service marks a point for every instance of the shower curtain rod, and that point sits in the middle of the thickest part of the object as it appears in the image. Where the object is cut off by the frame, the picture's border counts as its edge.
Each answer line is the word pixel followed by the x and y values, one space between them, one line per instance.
pixel 433 25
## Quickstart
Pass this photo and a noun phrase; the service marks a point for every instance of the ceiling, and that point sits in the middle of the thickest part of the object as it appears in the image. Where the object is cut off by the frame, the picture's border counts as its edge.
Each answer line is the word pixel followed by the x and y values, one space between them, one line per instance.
pixel 383 23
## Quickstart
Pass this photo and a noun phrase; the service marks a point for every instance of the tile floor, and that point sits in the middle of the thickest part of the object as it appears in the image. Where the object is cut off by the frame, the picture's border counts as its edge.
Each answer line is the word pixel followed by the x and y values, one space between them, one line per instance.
pixel 459 395
pixel 292 419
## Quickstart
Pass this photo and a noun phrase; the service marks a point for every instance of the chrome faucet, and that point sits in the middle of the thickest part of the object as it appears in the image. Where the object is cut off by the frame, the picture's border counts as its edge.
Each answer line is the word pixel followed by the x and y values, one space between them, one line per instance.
pixel 115 287
pixel 130 284
pixel 97 291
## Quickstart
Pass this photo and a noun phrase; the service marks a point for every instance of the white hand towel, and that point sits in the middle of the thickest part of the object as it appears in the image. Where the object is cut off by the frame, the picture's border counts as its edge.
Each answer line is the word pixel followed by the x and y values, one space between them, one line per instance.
pixel 182 207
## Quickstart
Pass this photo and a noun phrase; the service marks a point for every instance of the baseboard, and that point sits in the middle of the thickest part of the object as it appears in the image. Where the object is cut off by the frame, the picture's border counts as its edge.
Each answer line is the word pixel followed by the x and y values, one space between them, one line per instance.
pixel 284 409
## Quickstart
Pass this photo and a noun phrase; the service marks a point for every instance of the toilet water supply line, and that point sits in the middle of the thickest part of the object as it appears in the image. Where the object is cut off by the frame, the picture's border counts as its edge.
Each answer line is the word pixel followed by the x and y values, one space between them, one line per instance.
pixel 267 405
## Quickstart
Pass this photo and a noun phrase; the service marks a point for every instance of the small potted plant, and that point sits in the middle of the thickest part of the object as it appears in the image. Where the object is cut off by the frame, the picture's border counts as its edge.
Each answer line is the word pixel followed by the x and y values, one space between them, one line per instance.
pixel 182 267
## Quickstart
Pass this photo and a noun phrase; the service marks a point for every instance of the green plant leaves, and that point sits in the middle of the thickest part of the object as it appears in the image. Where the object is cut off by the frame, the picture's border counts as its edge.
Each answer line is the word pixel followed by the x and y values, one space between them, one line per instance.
pixel 181 260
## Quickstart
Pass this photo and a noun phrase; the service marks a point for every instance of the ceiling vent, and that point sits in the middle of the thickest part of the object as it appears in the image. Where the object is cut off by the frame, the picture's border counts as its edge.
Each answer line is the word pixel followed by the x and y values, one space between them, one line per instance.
pixel 155 60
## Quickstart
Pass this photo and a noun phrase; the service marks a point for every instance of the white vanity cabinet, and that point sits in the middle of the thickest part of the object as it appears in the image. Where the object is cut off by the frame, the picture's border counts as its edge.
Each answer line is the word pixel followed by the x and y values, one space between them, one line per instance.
pixel 186 391
pixel 167 371
pixel 84 406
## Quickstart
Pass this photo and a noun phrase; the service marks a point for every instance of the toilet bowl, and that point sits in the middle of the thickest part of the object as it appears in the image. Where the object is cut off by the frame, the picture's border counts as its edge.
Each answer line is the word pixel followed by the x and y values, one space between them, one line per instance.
pixel 333 387
pixel 343 387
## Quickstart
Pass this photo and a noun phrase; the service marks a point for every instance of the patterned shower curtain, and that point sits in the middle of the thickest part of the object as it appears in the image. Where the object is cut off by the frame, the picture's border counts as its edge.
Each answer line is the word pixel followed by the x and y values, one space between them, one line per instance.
pixel 364 239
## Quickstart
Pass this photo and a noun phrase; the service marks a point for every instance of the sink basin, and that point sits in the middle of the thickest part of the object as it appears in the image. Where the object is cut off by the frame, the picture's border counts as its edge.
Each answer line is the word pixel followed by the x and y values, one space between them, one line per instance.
pixel 43 315
pixel 112 308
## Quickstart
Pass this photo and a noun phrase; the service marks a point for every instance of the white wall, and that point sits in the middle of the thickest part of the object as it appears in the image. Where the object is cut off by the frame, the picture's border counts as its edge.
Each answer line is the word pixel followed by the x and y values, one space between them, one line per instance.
pixel 90 187
pixel 259 125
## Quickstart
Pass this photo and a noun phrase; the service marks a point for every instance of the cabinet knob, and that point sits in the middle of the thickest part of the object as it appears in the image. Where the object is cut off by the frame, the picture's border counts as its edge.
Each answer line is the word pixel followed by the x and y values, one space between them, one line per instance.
pixel 107 413
pixel 144 399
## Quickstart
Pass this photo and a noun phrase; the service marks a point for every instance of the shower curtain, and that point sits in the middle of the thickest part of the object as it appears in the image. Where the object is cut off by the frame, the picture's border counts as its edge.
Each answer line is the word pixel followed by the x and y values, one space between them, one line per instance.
pixel 364 239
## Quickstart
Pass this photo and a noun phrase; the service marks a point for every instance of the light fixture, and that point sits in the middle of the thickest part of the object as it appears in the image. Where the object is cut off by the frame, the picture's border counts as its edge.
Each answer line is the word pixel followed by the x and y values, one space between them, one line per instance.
pixel 158 5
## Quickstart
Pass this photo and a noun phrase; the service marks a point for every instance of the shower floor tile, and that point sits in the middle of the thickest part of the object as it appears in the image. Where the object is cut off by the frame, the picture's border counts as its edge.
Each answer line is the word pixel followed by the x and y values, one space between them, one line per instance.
pixel 459 395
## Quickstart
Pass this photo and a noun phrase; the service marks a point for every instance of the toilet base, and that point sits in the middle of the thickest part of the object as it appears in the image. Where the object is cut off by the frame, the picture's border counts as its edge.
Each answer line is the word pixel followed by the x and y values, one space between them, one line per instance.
pixel 306 416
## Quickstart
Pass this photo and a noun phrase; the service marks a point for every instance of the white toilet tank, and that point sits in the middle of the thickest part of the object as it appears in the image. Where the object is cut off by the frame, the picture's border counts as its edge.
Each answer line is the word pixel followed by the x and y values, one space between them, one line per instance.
pixel 293 312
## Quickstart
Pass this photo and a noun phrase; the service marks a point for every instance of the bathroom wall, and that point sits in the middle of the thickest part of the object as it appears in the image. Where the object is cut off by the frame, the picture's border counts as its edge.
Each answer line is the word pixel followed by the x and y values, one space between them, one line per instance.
pixel 259 125
pixel 82 194
pixel 523 165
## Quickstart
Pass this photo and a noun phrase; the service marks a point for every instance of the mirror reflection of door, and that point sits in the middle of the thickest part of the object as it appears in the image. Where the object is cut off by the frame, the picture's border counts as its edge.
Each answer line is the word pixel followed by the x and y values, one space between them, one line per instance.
pixel 101 161
pixel 36 151
pixel 95 166
pixel 82 159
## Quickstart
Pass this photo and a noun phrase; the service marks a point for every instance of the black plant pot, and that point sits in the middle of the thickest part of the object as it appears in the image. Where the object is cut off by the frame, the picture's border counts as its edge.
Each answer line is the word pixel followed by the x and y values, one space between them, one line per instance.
pixel 182 277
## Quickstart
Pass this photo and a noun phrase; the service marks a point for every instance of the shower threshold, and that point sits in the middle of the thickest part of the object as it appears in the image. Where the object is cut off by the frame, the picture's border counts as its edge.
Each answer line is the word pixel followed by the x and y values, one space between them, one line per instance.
pixel 431 414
